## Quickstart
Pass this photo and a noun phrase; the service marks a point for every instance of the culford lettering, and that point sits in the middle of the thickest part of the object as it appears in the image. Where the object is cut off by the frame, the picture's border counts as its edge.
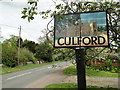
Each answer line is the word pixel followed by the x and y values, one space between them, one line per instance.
pixel 94 40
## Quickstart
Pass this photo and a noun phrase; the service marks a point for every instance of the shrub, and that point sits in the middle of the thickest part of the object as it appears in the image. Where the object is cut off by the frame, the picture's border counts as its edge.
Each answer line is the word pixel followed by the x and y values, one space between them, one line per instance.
pixel 9 55
pixel 112 57
pixel 34 60
pixel 44 51
pixel 10 61
pixel 26 55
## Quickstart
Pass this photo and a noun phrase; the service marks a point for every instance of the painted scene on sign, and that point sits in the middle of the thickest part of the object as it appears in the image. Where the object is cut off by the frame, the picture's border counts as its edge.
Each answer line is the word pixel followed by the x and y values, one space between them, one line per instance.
pixel 85 29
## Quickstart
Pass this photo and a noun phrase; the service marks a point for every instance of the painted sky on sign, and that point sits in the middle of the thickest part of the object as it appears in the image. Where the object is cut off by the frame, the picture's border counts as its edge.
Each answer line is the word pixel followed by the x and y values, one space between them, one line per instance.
pixel 99 17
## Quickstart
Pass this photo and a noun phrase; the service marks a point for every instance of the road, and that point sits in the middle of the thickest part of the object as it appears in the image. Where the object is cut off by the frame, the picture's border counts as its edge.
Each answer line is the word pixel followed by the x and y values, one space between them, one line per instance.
pixel 25 78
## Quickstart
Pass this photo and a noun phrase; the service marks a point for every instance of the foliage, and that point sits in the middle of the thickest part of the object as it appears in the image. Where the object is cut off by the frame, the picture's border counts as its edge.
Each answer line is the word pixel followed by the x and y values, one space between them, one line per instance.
pixel 9 55
pixel 10 51
pixel 12 41
pixel 118 50
pixel 26 55
pixel 112 57
pixel 91 52
pixel 30 13
pixel 21 41
pixel 30 45
pixel 44 51
pixel 64 54
pixel 107 65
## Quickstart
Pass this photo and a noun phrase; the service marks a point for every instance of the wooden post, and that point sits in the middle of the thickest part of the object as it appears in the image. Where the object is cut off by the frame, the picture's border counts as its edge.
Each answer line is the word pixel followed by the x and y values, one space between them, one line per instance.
pixel 19 45
pixel 81 77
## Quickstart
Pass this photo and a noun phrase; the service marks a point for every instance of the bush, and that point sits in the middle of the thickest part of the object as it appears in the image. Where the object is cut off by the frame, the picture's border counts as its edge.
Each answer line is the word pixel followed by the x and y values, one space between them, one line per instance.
pixel 107 65
pixel 116 68
pixel 44 51
pixel 9 55
pixel 26 55
pixel 34 60
pixel 10 61
pixel 58 58
pixel 112 57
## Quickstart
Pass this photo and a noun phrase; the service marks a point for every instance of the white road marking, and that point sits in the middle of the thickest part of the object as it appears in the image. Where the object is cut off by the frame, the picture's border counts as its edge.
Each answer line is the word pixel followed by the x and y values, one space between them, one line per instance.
pixel 19 75
pixel 23 74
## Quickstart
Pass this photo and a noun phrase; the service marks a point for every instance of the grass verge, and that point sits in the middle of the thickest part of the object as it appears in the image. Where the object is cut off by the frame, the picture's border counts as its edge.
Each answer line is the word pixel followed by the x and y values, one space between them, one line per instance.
pixel 6 70
pixel 89 72
pixel 69 86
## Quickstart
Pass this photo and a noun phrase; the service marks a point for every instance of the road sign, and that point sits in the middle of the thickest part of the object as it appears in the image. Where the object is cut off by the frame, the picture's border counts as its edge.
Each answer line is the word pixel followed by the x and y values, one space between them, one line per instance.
pixel 81 30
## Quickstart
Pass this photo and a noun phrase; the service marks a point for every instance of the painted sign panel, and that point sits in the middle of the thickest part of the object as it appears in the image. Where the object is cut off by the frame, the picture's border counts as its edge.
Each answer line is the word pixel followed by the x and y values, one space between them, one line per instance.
pixel 81 30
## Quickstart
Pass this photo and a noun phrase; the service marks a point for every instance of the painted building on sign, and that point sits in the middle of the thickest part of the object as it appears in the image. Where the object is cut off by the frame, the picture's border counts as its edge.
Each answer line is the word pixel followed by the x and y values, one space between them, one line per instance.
pixel 87 29
pixel 74 30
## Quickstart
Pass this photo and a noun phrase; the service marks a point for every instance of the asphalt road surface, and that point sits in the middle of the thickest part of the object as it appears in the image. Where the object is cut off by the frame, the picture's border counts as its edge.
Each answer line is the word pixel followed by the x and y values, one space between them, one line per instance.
pixel 24 78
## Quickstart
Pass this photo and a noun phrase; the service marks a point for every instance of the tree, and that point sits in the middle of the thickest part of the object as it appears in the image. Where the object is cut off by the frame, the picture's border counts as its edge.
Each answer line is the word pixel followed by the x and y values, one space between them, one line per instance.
pixel 9 55
pixel 10 52
pixel 44 51
pixel 21 41
pixel 30 45
pixel 13 41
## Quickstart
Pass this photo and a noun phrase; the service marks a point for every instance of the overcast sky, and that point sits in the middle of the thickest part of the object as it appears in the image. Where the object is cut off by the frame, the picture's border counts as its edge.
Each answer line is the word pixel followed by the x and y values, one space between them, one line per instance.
pixel 10 19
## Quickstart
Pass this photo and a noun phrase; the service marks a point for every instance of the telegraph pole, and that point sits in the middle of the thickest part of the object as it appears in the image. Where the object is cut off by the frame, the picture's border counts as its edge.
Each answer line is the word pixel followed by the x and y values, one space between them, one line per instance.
pixel 19 45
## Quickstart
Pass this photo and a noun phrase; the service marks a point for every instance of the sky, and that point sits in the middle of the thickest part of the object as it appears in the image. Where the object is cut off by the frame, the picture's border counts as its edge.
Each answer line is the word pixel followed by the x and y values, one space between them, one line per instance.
pixel 10 19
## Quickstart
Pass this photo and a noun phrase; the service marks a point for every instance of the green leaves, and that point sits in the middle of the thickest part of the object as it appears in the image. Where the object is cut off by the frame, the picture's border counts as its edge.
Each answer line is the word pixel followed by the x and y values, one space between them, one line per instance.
pixel 58 6
pixel 29 12
pixel 32 2
pixel 106 3
pixel 24 16
pixel 30 18
pixel 24 12
pixel 69 20
pixel 45 14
